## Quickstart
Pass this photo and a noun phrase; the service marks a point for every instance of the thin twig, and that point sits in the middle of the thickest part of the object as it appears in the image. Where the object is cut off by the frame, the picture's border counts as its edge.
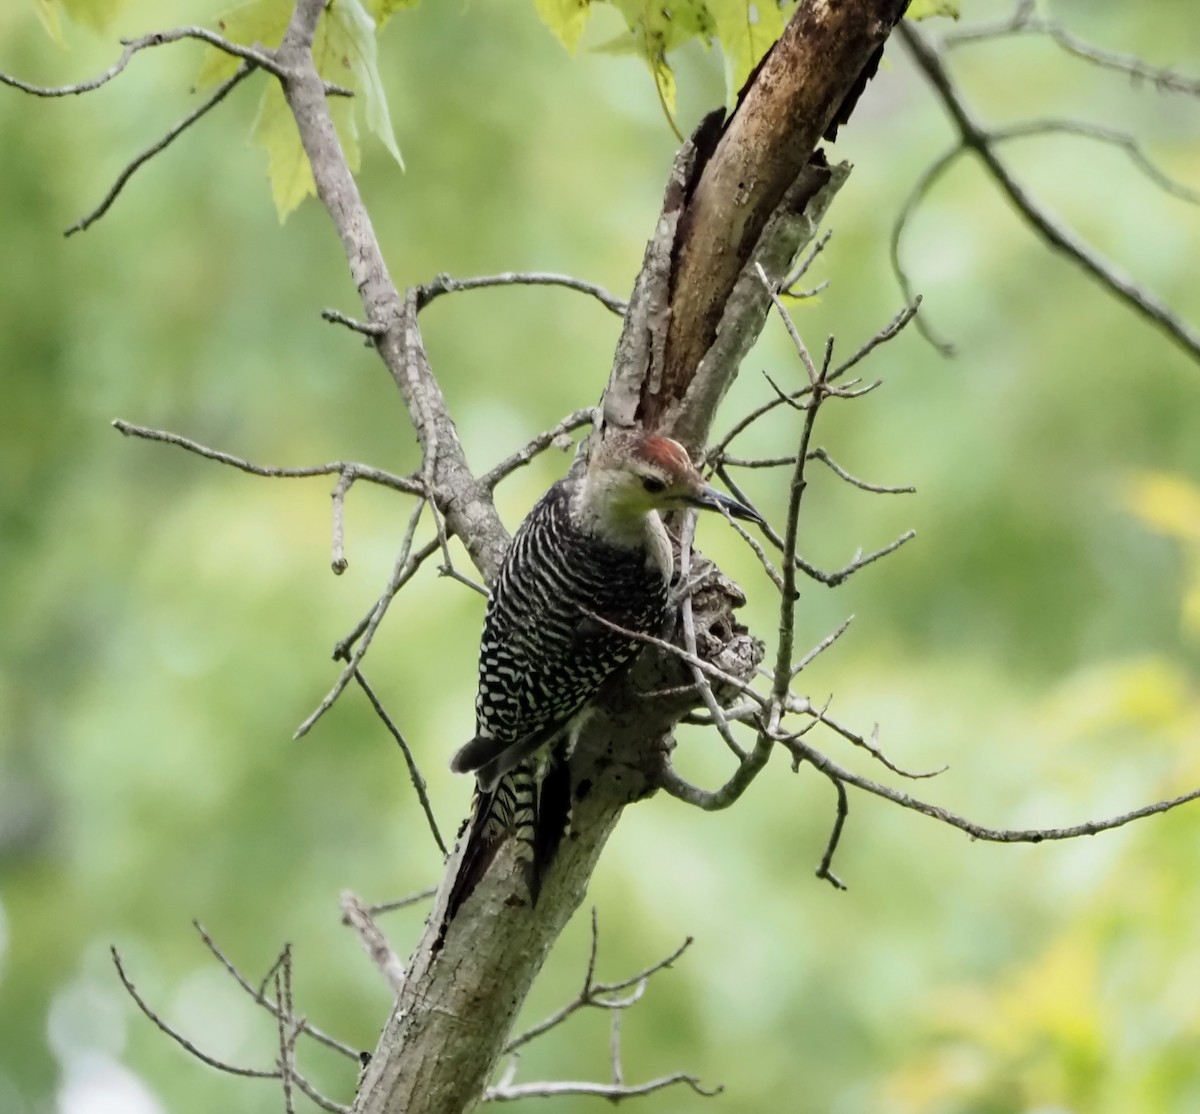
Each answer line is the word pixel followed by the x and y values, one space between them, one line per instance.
pixel 444 284
pixel 839 822
pixel 342 649
pixel 407 484
pixel 556 436
pixel 179 1038
pixel 716 454
pixel 370 329
pixel 889 332
pixel 803 266
pixel 405 568
pixel 261 999
pixel 283 995
pixel 820 647
pixel 689 640
pixel 321 1100
pixel 596 994
pixel 514 1092
pixel 261 59
pixel 1023 22
pixel 973 136
pixel 789 324
pixel 879 489
pixel 709 670
pixel 414 772
pixel 614 1047
pixel 401 903
pixel 338 561
pixel 978 831
pixel 1111 137
pixel 870 745
pixel 358 917
pixel 161 144
pixel 451 573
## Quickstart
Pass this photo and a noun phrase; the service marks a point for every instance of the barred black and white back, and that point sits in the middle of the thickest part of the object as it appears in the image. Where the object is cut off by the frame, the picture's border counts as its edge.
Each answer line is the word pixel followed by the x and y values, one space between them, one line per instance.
pixel 592 555
pixel 541 658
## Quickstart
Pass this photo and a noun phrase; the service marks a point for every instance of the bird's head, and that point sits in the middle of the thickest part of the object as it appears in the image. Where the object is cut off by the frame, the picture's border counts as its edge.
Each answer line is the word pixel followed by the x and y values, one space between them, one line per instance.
pixel 631 474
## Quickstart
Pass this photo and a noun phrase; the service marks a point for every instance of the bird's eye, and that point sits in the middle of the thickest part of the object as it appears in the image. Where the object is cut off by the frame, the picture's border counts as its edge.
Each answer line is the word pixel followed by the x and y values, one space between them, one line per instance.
pixel 653 486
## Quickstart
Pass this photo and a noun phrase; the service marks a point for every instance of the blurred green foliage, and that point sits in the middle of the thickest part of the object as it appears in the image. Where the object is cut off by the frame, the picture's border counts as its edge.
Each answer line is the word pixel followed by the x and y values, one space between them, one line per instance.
pixel 167 622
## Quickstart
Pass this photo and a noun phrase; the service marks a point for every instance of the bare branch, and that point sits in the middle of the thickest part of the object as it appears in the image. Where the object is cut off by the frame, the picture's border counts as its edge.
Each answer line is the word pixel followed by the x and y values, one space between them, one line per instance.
pixel 161 144
pixel 401 903
pixel 413 771
pixel 338 561
pixel 839 822
pixel 358 917
pixel 179 1038
pixel 974 137
pixel 889 332
pixel 595 994
pixel 978 831
pixel 405 568
pixel 718 799
pixel 1024 22
pixel 283 995
pixel 821 647
pixel 354 471
pixel 879 489
pixel 1111 137
pixel 613 1092
pixel 801 269
pixel 709 670
pixel 368 329
pixel 444 284
pixel 556 437
pixel 261 59
pixel 260 998
pixel 689 639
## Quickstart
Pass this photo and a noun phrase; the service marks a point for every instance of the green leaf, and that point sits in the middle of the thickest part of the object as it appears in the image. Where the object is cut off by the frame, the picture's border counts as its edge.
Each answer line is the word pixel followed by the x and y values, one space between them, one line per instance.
pixel 747 29
pixel 566 18
pixel 344 51
pixel 348 44
pixel 48 13
pixel 924 9
pixel 381 10
pixel 96 14
pixel 260 21
pixel 287 164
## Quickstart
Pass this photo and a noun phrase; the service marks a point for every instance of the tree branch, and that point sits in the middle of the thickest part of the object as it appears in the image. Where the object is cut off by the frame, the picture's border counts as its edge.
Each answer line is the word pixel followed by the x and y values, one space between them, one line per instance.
pixel 973 136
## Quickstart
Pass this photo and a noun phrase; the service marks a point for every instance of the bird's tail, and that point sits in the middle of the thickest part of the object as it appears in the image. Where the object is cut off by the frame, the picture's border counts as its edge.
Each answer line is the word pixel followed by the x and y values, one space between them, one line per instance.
pixel 526 804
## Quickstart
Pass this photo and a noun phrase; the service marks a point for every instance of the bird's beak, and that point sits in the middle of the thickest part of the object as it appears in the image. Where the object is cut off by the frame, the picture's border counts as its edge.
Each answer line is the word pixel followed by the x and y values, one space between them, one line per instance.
pixel 709 498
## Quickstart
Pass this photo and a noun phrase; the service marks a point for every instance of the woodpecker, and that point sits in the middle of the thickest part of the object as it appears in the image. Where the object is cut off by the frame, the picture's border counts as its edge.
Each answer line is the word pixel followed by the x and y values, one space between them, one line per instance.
pixel 594 545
